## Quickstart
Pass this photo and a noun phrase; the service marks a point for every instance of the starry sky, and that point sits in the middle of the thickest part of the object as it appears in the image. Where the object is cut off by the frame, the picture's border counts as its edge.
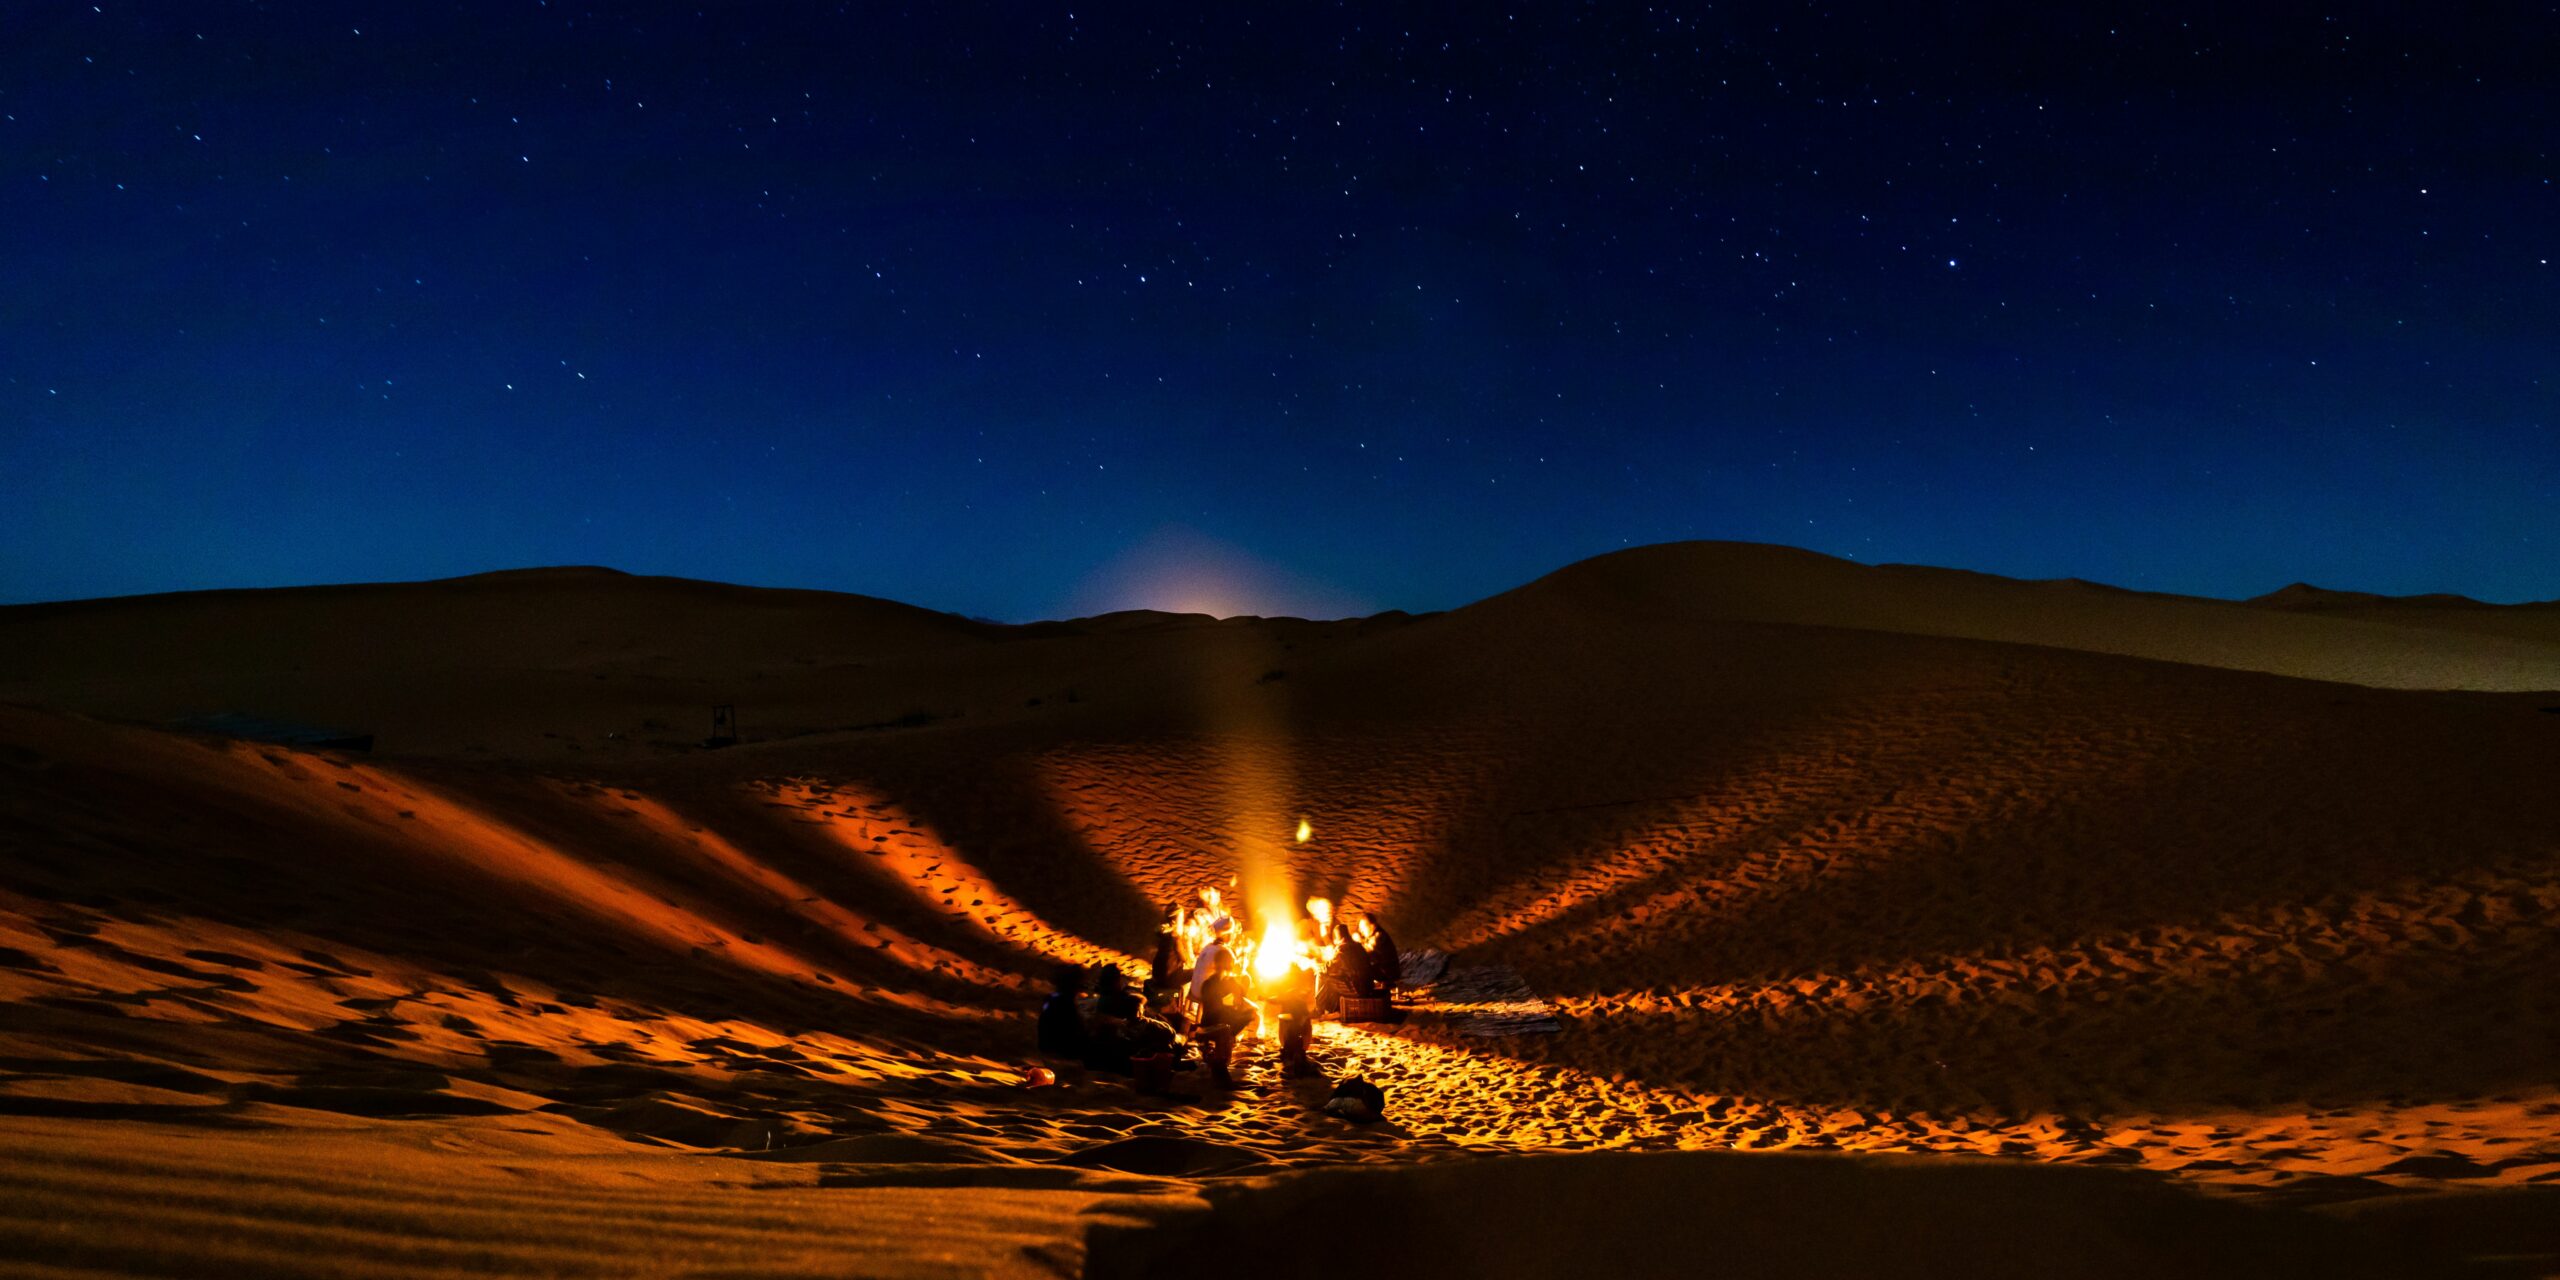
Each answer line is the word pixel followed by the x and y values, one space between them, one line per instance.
pixel 1028 309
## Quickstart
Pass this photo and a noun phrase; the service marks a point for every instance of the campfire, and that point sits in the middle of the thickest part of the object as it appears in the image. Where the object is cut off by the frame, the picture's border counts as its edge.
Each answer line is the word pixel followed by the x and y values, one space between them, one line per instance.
pixel 1287 945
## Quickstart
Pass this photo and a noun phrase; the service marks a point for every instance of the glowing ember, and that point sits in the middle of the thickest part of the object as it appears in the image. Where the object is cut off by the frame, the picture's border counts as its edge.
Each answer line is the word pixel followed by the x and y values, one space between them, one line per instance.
pixel 1306 831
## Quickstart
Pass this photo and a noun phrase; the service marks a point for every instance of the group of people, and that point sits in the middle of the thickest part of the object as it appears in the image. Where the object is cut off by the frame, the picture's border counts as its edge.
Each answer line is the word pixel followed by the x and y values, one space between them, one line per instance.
pixel 1116 1034
pixel 1202 992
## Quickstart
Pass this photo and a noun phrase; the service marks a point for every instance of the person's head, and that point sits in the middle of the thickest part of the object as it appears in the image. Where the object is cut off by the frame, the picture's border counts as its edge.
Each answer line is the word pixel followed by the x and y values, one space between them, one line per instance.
pixel 1365 932
pixel 1112 981
pixel 1222 964
pixel 1068 978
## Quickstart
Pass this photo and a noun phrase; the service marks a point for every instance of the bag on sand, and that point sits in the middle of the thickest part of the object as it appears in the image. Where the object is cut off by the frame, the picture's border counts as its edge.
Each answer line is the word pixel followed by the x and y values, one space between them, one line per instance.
pixel 1358 1101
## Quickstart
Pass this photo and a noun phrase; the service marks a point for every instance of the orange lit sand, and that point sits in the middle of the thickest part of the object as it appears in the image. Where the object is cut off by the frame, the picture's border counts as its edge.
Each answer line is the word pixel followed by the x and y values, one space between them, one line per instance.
pixel 538 987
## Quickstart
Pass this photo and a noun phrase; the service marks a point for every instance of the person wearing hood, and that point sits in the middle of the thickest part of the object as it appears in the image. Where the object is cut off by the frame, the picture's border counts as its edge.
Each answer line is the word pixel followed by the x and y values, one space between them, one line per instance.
pixel 1386 964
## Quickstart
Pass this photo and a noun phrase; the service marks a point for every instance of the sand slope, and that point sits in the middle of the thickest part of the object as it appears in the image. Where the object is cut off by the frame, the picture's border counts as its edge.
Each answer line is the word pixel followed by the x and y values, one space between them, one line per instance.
pixel 1843 887
pixel 481 665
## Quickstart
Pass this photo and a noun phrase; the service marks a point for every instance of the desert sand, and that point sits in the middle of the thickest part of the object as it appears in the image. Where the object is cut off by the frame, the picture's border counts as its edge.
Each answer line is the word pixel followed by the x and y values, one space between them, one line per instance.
pixel 1894 920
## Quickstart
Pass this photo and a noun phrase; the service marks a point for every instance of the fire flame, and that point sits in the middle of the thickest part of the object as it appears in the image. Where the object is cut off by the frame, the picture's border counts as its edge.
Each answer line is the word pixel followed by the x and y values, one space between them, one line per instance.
pixel 1306 831
pixel 1278 952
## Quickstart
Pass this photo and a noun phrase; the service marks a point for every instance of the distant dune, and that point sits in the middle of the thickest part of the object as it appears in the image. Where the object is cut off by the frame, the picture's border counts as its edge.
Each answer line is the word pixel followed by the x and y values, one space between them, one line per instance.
pixel 518 664
pixel 1803 855
pixel 2402 645
pixel 2537 621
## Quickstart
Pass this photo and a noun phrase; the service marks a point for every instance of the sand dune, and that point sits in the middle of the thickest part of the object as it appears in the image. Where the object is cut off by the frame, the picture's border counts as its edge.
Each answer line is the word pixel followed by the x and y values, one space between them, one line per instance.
pixel 1809 856
pixel 2389 647
pixel 593 666
pixel 535 662
pixel 2538 621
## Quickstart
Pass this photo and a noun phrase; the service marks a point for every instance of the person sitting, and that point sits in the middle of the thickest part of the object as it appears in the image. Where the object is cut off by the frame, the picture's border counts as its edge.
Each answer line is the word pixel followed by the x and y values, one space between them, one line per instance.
pixel 1225 1012
pixel 1348 976
pixel 1293 1003
pixel 1386 964
pixel 1106 1041
pixel 1061 1019
pixel 1165 978
pixel 1155 1050
pixel 1150 1035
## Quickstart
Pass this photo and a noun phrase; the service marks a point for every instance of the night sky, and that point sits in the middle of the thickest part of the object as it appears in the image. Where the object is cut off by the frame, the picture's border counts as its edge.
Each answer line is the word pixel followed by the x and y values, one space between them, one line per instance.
pixel 1034 309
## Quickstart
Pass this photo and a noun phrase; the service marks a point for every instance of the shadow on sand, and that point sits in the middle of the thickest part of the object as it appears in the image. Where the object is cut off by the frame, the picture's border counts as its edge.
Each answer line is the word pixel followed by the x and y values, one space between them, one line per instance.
pixel 1684 1214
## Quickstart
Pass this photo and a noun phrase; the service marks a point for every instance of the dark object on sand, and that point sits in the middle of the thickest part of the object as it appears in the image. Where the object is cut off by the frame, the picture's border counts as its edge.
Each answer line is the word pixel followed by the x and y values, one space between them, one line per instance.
pixel 1367 1009
pixel 1357 1101
pixel 724 726
pixel 238 724
pixel 1291 1002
